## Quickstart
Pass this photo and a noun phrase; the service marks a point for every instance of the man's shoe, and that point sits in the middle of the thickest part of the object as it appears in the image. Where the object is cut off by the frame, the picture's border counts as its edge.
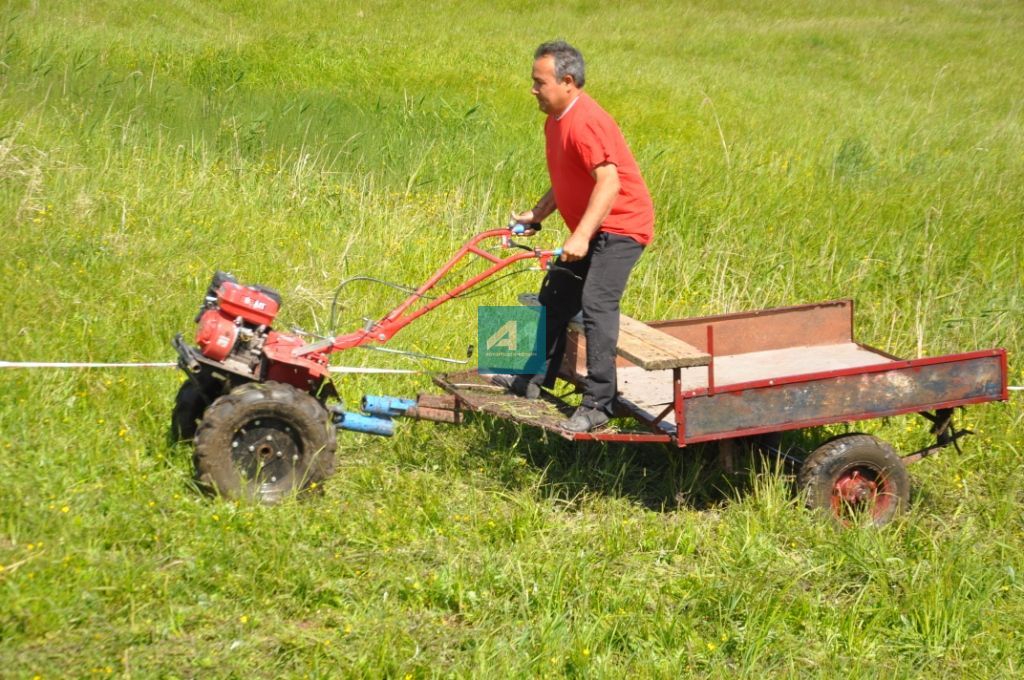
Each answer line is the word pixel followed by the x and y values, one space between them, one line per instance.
pixel 518 385
pixel 584 420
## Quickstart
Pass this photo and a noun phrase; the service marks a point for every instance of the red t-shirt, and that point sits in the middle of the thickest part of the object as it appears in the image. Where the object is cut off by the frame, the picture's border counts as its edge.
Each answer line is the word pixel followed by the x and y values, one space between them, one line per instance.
pixel 582 139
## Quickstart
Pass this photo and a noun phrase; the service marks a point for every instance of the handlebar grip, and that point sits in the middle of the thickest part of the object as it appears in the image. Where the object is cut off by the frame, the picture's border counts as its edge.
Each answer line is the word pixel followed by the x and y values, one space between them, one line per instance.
pixel 519 228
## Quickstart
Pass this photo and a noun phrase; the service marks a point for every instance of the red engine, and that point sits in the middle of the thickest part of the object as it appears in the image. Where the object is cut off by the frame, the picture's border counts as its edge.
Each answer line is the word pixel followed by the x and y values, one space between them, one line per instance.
pixel 234 330
pixel 239 311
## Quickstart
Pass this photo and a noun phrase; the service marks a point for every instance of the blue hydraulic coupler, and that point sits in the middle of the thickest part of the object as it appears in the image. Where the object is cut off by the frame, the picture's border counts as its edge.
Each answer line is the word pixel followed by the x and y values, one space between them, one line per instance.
pixel 362 423
pixel 387 406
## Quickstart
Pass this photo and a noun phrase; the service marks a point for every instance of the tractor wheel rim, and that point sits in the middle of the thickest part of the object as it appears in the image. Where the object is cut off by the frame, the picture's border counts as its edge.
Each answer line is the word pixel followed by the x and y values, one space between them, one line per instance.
pixel 861 489
pixel 266 452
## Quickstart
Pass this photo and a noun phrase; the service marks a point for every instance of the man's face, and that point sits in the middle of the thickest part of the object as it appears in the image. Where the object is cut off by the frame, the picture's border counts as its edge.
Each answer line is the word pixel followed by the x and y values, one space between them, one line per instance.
pixel 552 94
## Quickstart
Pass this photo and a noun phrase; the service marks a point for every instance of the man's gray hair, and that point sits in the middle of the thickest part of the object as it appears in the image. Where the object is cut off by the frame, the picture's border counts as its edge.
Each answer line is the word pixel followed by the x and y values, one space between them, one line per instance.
pixel 568 60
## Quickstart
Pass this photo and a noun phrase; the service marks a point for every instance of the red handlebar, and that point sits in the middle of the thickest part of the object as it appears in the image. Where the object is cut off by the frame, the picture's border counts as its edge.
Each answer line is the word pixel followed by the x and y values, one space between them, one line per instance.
pixel 398 318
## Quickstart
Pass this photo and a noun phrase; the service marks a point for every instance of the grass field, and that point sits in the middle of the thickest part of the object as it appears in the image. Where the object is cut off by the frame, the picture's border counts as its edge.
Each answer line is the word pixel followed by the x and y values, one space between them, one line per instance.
pixel 796 152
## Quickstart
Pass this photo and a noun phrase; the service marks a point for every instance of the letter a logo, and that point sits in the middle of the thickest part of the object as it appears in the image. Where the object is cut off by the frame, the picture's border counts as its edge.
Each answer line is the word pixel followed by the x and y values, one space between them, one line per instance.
pixel 504 337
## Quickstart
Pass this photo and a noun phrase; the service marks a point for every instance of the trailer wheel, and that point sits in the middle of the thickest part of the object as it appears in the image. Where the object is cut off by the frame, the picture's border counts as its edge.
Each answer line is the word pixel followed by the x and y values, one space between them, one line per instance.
pixel 189 406
pixel 264 441
pixel 856 476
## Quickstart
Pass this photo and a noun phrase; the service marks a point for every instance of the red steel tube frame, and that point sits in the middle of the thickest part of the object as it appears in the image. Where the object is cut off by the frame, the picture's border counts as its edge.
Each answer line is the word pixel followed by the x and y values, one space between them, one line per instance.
pixel 398 318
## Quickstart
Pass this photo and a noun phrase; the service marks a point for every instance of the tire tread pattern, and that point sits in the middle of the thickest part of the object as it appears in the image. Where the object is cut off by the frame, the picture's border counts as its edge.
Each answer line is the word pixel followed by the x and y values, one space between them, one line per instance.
pixel 816 474
pixel 189 406
pixel 212 458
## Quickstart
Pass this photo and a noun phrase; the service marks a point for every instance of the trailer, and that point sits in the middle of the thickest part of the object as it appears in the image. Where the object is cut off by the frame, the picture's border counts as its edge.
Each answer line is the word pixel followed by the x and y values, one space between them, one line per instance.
pixel 256 400
pixel 722 379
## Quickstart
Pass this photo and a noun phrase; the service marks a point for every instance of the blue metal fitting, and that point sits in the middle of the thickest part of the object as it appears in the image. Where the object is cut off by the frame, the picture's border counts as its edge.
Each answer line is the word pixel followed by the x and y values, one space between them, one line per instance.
pixel 387 406
pixel 357 422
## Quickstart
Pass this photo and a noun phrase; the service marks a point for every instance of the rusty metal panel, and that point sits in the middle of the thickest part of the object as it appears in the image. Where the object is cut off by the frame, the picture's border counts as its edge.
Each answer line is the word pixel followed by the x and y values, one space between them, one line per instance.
pixel 824 323
pixel 906 388
pixel 574 365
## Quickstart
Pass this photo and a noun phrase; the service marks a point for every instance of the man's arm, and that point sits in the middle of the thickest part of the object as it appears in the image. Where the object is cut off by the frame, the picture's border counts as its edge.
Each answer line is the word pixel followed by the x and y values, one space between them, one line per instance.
pixel 539 212
pixel 602 198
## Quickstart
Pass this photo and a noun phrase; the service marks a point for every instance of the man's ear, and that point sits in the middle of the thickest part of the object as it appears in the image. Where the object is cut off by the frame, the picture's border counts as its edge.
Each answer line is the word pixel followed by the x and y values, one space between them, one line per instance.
pixel 567 79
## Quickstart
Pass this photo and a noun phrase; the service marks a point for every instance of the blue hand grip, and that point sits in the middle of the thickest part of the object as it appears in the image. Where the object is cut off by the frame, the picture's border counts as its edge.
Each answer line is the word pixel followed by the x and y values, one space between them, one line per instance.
pixel 557 252
pixel 520 228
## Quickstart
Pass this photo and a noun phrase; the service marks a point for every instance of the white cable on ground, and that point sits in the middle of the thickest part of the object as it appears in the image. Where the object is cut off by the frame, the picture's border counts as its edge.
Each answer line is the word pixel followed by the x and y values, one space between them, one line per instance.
pixel 82 364
pixel 171 364
pixel 357 369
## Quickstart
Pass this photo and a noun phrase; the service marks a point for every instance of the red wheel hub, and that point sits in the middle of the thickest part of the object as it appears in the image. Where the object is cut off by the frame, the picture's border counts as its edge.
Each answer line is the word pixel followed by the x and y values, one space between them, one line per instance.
pixel 861 489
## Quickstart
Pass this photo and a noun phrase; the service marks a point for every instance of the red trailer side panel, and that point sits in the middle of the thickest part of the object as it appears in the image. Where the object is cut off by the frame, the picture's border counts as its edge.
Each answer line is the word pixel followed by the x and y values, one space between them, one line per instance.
pixel 806 401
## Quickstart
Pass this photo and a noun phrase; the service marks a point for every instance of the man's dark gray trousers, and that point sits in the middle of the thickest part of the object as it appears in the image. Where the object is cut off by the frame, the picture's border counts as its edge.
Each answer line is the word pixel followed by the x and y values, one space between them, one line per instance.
pixel 593 285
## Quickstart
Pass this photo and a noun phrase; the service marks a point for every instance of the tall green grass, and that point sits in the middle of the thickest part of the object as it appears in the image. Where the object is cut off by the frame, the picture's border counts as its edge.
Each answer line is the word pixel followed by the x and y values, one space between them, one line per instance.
pixel 796 152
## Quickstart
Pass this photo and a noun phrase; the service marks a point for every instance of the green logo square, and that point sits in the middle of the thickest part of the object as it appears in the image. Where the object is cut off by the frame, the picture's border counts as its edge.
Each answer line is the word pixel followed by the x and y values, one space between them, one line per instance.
pixel 510 339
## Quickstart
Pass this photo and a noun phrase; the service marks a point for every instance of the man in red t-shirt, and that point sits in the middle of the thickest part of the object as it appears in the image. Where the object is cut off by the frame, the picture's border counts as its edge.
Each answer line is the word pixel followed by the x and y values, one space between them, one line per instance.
pixel 597 188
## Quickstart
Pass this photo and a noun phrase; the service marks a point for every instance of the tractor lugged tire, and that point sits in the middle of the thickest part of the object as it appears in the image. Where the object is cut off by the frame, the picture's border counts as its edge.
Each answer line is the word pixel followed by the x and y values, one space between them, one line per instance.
pixel 263 442
pixel 189 406
pixel 856 475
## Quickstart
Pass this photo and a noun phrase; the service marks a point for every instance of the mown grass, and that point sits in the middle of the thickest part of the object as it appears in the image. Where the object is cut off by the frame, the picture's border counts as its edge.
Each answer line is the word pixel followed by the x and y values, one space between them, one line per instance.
pixel 796 152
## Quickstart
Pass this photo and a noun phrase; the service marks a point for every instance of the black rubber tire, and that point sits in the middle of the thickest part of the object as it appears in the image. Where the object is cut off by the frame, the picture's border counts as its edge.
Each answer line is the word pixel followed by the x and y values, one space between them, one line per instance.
pixel 189 406
pixel 263 442
pixel 856 475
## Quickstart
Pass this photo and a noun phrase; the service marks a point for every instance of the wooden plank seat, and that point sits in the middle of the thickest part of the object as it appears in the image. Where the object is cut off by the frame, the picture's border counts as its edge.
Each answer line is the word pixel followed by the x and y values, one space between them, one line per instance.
pixel 647 347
